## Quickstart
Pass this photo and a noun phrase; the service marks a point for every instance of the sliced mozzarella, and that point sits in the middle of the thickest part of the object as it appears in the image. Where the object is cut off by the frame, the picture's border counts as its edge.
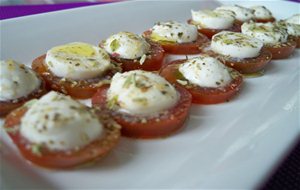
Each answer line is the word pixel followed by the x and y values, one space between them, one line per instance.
pixel 236 45
pixel 16 80
pixel 261 12
pixel 242 14
pixel 205 71
pixel 213 19
pixel 60 123
pixel 127 45
pixel 77 61
pixel 174 32
pixel 292 29
pixel 268 33
pixel 141 93
pixel 295 19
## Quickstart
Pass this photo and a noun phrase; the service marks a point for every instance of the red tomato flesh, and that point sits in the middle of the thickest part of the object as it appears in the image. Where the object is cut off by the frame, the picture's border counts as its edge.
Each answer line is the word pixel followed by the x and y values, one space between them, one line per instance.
pixel 265 20
pixel 203 95
pixel 183 48
pixel 59 159
pixel 8 106
pixel 283 50
pixel 210 32
pixel 246 65
pixel 162 125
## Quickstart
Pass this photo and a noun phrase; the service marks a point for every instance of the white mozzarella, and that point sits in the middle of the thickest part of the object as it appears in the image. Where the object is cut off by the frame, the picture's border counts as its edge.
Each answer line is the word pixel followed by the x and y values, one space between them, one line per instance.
pixel 242 14
pixel 268 33
pixel 295 19
pixel 127 45
pixel 60 123
pixel 174 32
pixel 261 12
pixel 16 80
pixel 292 29
pixel 77 61
pixel 236 45
pixel 205 71
pixel 222 19
pixel 141 93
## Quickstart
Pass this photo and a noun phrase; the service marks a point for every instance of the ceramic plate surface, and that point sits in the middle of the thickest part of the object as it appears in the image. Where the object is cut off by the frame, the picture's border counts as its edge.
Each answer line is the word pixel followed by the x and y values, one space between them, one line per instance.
pixel 234 145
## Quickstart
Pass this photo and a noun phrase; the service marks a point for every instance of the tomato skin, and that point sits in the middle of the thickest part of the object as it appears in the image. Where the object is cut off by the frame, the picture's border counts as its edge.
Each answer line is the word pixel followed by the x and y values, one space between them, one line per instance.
pixel 154 127
pixel 247 65
pixel 153 63
pixel 283 50
pixel 210 32
pixel 8 106
pixel 58 159
pixel 265 20
pixel 203 95
pixel 297 40
pixel 82 89
pixel 183 48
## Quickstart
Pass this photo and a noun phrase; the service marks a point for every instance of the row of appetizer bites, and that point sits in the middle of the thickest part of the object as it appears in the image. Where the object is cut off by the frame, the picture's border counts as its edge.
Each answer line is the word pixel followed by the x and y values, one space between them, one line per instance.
pixel 57 131
pixel 210 22
pixel 79 69
pixel 143 103
pixel 228 18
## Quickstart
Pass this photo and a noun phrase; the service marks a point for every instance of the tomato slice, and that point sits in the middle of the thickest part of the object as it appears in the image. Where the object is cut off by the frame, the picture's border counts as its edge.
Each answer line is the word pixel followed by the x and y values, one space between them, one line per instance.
pixel 265 20
pixel 210 32
pixel 203 95
pixel 283 50
pixel 81 89
pixel 296 39
pixel 60 159
pixel 164 124
pixel 8 106
pixel 153 62
pixel 246 65
pixel 183 48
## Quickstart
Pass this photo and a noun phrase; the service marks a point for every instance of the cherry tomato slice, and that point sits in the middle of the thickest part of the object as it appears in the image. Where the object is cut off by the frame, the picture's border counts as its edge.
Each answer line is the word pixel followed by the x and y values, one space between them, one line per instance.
pixel 153 62
pixel 246 65
pixel 266 20
pixel 283 50
pixel 164 124
pixel 210 32
pixel 203 95
pixel 8 106
pixel 81 89
pixel 183 48
pixel 60 159
pixel 296 39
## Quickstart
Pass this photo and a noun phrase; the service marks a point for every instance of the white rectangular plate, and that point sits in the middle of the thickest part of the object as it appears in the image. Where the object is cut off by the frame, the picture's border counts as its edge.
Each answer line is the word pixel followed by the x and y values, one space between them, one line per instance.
pixel 231 146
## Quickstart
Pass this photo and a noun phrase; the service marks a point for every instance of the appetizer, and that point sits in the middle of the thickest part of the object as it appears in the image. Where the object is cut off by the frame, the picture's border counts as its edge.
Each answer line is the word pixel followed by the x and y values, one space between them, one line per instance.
pixel 18 84
pixel 144 104
pixel 240 52
pixel 205 77
pixel 77 69
pixel 292 25
pixel 274 38
pixel 242 14
pixel 211 22
pixel 134 52
pixel 262 14
pixel 177 38
pixel 59 132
